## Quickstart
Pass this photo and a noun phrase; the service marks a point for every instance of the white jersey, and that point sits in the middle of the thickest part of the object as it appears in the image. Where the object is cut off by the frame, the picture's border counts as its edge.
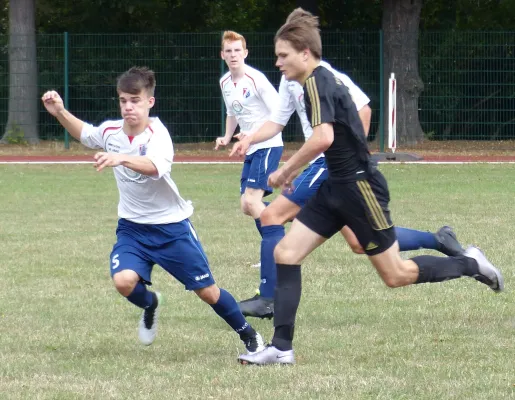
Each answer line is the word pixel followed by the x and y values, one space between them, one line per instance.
pixel 143 199
pixel 251 101
pixel 291 95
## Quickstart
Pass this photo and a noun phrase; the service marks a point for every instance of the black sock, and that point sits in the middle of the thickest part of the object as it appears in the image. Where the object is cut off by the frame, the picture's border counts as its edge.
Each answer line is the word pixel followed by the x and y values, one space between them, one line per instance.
pixel 438 269
pixel 286 302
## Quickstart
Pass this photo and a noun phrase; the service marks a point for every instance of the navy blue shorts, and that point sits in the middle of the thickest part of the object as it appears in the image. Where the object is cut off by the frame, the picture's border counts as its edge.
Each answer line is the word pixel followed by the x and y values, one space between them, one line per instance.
pixel 175 247
pixel 307 183
pixel 257 167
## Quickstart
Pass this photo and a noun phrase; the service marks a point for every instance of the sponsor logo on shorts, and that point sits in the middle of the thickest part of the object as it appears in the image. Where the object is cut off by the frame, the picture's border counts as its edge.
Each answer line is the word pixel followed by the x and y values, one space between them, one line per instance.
pixel 371 246
pixel 201 277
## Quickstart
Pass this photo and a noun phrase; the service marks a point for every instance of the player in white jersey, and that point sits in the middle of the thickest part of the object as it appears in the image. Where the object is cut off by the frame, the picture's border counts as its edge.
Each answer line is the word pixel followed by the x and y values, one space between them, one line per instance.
pixel 153 226
pixel 250 99
pixel 286 206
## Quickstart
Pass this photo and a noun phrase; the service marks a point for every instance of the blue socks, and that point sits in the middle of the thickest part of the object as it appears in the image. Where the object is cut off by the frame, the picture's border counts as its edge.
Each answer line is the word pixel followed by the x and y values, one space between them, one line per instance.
pixel 258 226
pixel 228 309
pixel 411 239
pixel 271 236
pixel 141 297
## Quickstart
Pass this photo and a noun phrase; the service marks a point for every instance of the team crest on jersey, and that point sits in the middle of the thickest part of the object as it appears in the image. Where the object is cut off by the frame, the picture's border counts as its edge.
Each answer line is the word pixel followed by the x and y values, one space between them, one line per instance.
pixel 246 93
pixel 237 107
pixel 142 149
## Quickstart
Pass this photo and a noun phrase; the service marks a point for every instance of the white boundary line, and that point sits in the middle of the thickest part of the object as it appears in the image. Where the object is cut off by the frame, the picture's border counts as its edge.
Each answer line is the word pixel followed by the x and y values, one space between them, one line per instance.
pixel 240 162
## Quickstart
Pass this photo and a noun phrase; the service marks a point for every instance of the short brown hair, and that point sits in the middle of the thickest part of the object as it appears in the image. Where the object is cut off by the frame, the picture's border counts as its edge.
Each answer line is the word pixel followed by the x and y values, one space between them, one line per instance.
pixel 137 79
pixel 231 36
pixel 302 31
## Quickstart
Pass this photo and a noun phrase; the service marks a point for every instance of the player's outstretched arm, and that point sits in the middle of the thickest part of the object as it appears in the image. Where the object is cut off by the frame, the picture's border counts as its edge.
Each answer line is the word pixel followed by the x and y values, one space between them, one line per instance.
pixel 54 105
pixel 267 131
pixel 140 164
pixel 365 115
pixel 230 126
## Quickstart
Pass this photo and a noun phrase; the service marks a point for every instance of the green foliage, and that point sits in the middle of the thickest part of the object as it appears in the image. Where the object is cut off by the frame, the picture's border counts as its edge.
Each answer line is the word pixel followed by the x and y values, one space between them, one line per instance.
pixel 14 135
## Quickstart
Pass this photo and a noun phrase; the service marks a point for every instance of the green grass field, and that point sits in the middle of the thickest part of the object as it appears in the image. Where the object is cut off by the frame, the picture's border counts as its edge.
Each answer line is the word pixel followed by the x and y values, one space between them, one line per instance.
pixel 66 334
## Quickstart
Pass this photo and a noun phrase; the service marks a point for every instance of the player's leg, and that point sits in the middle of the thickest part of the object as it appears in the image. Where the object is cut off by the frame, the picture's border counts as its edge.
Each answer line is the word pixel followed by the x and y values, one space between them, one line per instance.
pixel 284 208
pixel 273 218
pixel 444 240
pixel 184 258
pixel 369 218
pixel 313 225
pixel 131 270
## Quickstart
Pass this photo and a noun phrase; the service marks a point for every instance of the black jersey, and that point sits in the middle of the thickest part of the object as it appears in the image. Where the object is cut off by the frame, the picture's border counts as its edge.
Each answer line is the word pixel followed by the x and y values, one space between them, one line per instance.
pixel 328 100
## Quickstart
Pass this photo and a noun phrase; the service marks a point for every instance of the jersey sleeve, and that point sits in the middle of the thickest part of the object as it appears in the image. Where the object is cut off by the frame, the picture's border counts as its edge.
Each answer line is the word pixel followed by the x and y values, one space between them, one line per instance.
pixel 319 95
pixel 161 152
pixel 91 136
pixel 286 107
pixel 358 96
pixel 268 94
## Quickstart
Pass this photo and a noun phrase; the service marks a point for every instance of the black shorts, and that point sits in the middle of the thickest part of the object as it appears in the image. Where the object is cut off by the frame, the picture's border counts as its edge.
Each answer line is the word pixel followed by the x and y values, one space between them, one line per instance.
pixel 361 205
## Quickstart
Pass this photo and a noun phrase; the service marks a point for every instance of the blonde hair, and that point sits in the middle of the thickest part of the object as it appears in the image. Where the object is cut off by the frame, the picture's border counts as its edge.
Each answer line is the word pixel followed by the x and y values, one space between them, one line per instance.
pixel 231 36
pixel 301 29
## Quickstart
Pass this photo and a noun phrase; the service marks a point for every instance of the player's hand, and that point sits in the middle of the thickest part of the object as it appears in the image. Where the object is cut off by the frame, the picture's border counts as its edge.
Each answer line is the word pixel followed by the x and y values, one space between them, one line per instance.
pixel 103 159
pixel 220 141
pixel 239 136
pixel 278 179
pixel 53 102
pixel 240 148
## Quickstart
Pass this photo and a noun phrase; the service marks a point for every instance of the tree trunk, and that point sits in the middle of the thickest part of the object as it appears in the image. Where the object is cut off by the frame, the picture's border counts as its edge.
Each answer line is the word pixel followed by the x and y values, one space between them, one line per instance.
pixel 309 5
pixel 400 55
pixel 22 121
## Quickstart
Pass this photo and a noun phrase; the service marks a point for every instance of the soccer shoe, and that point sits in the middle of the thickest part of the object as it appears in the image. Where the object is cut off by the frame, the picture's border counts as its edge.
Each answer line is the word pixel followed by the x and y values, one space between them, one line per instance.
pixel 447 242
pixel 147 328
pixel 254 344
pixel 488 274
pixel 257 306
pixel 270 355
pixel 257 265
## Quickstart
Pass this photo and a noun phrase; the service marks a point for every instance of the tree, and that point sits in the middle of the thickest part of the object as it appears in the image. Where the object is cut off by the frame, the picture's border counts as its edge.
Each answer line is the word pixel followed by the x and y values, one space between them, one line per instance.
pixel 400 56
pixel 23 89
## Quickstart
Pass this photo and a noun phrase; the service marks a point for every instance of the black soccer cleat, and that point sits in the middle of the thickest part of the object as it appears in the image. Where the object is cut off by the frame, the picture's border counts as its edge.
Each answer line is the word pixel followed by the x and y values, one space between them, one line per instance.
pixel 258 307
pixel 448 242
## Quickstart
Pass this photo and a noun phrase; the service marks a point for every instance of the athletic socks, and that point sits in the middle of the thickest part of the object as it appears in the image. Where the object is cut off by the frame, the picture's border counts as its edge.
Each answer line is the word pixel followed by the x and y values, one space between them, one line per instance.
pixel 141 297
pixel 227 308
pixel 272 234
pixel 439 269
pixel 287 299
pixel 411 239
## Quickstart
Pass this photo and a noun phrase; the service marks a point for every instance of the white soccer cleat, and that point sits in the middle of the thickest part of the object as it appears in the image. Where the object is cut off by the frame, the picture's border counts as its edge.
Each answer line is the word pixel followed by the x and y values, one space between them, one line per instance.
pixel 147 328
pixel 488 274
pixel 270 355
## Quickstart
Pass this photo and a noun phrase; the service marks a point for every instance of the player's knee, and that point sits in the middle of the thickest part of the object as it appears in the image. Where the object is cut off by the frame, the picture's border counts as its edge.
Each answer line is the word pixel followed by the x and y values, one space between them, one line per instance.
pixel 356 248
pixel 285 255
pixel 269 217
pixel 125 281
pixel 209 294
pixel 394 280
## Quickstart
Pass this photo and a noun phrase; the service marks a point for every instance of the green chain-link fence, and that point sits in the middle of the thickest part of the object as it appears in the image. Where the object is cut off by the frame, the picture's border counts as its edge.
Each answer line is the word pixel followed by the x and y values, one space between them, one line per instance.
pixel 469 79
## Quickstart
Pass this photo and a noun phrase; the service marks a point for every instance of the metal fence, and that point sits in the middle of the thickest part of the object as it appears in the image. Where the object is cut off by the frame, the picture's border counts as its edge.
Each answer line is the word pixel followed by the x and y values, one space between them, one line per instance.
pixel 469 79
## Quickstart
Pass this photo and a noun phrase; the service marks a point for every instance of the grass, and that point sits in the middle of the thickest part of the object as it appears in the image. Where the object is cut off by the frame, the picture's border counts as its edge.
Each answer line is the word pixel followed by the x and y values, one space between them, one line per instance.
pixel 66 334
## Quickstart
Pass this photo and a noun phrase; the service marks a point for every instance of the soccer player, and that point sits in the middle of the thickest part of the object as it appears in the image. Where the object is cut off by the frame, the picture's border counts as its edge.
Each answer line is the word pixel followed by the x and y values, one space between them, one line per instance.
pixel 355 194
pixel 249 98
pixel 153 226
pixel 287 205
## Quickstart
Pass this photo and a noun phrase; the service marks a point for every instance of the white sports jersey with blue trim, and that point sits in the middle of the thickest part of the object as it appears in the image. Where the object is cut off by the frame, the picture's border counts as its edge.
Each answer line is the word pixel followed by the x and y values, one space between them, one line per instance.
pixel 143 199
pixel 291 95
pixel 251 101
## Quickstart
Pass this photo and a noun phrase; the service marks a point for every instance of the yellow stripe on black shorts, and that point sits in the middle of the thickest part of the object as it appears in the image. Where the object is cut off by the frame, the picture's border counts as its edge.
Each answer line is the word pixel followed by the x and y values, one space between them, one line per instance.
pixel 376 212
